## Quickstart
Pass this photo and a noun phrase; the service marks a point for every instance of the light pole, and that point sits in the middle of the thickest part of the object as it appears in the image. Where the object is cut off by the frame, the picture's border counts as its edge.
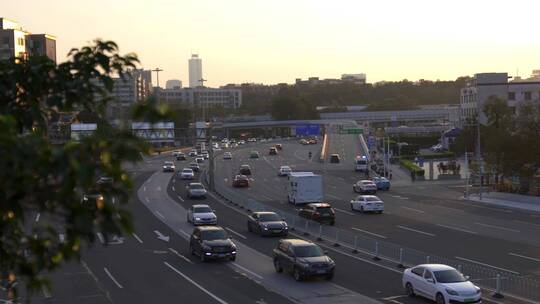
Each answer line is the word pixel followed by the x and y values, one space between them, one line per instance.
pixel 211 184
pixel 479 156
pixel 157 70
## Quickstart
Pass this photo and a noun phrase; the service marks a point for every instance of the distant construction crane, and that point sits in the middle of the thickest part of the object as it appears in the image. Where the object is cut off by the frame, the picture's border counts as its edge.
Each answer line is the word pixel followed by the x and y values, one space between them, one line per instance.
pixel 157 70
pixel 202 81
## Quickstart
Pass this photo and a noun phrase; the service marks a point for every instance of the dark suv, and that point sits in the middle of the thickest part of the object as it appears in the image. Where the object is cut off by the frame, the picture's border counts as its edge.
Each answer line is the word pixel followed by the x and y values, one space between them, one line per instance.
pixel 245 170
pixel 303 259
pixel 211 242
pixel 267 223
pixel 320 212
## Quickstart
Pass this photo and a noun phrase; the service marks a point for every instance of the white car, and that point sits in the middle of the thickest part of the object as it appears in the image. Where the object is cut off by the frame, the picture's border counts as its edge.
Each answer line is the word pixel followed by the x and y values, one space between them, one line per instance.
pixel 227 155
pixel 199 160
pixel 201 215
pixel 440 283
pixel 241 142
pixel 367 203
pixel 205 154
pixel 176 153
pixel 195 190
pixel 365 186
pixel 192 153
pixel 187 173
pixel 284 171
pixel 168 166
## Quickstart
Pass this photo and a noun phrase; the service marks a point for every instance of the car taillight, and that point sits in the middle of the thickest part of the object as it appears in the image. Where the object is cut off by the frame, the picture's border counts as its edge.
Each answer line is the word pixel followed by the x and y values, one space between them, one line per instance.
pixel 316 214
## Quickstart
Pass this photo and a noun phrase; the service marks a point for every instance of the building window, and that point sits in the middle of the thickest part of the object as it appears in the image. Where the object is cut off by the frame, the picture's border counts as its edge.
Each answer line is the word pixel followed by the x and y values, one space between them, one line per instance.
pixel 528 95
pixel 511 95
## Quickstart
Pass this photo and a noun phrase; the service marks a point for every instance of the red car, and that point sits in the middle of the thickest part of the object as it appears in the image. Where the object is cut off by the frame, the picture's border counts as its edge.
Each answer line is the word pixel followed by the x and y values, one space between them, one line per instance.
pixel 240 181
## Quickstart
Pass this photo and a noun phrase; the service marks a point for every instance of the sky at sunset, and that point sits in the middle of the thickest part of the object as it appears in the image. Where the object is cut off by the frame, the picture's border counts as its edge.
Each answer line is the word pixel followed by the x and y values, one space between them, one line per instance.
pixel 280 40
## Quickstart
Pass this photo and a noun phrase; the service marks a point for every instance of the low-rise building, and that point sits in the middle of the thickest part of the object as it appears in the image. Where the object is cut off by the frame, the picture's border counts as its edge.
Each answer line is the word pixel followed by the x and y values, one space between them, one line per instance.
pixel 202 97
pixel 15 42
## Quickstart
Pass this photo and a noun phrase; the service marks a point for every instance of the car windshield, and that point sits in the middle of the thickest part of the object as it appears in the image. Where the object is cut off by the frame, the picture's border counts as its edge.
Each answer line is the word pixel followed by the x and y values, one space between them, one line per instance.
pixel 168 163
pixel 367 183
pixel 449 276
pixel 372 199
pixel 204 209
pixel 324 210
pixel 187 171
pixel 196 186
pixel 269 217
pixel 214 235
pixel 308 251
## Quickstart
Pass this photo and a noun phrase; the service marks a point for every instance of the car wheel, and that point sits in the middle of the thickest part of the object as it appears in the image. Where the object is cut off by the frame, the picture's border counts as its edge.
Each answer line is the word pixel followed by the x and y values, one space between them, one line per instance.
pixel 440 298
pixel 409 290
pixel 298 276
pixel 352 208
pixel 329 277
pixel 362 209
pixel 277 266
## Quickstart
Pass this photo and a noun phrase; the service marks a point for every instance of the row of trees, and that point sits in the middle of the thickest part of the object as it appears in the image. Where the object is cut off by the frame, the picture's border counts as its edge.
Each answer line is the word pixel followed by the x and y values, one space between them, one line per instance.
pixel 398 95
pixel 510 140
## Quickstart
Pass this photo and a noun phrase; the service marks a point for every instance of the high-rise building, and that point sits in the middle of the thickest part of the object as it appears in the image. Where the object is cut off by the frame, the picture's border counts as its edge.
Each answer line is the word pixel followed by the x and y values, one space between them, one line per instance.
pixel 195 71
pixel 15 42
pixel 173 84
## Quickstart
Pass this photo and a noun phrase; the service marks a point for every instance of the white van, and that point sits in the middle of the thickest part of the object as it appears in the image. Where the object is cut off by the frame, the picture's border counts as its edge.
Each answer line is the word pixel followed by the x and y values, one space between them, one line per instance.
pixel 304 187
pixel 361 164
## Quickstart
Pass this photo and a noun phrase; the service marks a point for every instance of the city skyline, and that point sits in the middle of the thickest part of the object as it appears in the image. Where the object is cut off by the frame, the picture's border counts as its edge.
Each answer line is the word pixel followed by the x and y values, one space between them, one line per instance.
pixel 250 41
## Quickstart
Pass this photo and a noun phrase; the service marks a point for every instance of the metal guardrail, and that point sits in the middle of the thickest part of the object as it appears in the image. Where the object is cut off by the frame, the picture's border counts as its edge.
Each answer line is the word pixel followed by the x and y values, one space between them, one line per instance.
pixel 496 280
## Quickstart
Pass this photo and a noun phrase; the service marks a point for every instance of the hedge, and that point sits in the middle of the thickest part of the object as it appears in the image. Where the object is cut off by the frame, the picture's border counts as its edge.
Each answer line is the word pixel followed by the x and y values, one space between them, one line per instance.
pixel 409 165
pixel 431 156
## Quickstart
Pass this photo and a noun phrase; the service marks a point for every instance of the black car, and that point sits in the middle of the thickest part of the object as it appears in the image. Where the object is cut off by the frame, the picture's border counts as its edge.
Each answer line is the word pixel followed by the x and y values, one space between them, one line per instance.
pixel 212 242
pixel 194 166
pixel 303 259
pixel 335 159
pixel 320 212
pixel 267 223
pixel 245 170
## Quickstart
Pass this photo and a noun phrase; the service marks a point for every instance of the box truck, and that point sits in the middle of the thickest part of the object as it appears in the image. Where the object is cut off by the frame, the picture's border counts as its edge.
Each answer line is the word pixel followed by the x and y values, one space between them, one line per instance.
pixel 304 187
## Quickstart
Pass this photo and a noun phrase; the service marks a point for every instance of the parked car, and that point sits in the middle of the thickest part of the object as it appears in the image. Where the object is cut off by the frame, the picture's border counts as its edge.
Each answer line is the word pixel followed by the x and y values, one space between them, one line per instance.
pixel 194 166
pixel 241 142
pixel 335 159
pixel 252 140
pixel 181 156
pixel 245 170
pixel 272 151
pixel 211 242
pixel 382 183
pixel 195 190
pixel 312 141
pixel 279 146
pixel 201 214
pixel 227 155
pixel 440 283
pixel 320 212
pixel 187 173
pixel 240 181
pixel 284 171
pixel 168 166
pixel 367 203
pixel 93 200
pixel 303 259
pixel 267 223
pixel 365 187
pixel 254 154
pixel 303 142
pixel 192 153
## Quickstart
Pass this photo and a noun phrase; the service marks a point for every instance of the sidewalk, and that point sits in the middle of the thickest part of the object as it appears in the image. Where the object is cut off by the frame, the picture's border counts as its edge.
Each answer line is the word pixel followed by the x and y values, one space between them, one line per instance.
pixel 509 200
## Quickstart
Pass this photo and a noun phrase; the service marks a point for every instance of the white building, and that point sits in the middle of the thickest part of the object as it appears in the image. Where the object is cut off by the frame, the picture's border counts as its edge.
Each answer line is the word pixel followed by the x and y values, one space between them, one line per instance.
pixel 195 71
pixel 354 78
pixel 202 97
pixel 173 84
pixel 15 42
pixel 485 85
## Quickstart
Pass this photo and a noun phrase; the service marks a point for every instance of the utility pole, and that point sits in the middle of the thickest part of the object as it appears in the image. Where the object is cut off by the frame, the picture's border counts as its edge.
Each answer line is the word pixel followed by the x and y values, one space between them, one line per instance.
pixel 157 70
pixel 479 156
pixel 203 106
pixel 211 184
pixel 466 175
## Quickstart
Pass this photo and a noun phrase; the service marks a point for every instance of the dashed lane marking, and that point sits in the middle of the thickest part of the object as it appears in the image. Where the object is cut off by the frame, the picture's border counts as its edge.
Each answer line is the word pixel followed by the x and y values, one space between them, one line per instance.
pixel 180 198
pixel 159 214
pixel 247 270
pixel 457 229
pixel 370 233
pixel 344 211
pixel 497 227
pixel 112 278
pixel 413 209
pixel 415 230
pixel 524 257
pixel 236 233
pixel 180 255
pixel 137 238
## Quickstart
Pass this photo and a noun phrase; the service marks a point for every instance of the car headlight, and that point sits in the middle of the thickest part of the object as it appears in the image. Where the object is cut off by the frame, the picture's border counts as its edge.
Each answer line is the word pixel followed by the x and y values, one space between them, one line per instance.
pixel 452 292
pixel 478 290
pixel 264 227
pixel 331 262
pixel 197 218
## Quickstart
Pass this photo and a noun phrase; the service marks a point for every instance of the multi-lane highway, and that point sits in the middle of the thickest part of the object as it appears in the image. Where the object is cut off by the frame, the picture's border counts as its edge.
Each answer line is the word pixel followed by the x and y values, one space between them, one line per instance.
pixel 154 264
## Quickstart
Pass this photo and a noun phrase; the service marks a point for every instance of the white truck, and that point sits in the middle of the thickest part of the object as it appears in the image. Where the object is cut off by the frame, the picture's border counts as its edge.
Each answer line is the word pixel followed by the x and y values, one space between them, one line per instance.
pixel 304 187
pixel 361 164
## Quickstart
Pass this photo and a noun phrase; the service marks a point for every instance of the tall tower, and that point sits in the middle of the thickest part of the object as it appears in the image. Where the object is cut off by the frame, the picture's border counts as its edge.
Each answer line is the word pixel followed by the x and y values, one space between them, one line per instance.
pixel 195 71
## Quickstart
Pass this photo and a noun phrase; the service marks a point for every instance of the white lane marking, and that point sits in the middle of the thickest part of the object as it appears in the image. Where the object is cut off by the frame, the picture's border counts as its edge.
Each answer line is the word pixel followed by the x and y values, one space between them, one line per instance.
pixel 180 198
pixel 333 196
pixel 37 217
pixel 180 256
pixel 101 238
pixel 144 188
pixel 184 233
pixel 266 197
pixel 238 234
pixel 344 211
pixel 528 223
pixel 497 227
pixel 112 278
pixel 147 200
pixel 218 299
pixel 484 264
pixel 158 188
pixel 247 270
pixel 159 214
pixel 161 236
pixel 457 229
pixel 173 189
pixel 524 257
pixel 137 238
pixel 370 233
pixel 412 209
pixel 46 292
pixel 414 230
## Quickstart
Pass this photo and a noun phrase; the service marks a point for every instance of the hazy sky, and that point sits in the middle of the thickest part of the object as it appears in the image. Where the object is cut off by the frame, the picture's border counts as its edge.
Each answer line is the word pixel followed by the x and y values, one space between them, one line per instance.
pixel 279 40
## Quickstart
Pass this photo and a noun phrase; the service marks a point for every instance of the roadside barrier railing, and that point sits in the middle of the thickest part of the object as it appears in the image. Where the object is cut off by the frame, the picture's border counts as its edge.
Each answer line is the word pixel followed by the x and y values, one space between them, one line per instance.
pixel 497 281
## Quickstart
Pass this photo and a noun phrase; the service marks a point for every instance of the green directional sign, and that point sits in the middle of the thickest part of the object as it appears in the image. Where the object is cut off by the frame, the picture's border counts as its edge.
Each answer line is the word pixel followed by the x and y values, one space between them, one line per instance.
pixel 352 131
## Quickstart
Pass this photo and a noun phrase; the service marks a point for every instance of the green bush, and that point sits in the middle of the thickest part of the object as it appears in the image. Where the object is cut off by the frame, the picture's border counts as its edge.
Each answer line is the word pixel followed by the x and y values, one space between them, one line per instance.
pixel 431 156
pixel 409 165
